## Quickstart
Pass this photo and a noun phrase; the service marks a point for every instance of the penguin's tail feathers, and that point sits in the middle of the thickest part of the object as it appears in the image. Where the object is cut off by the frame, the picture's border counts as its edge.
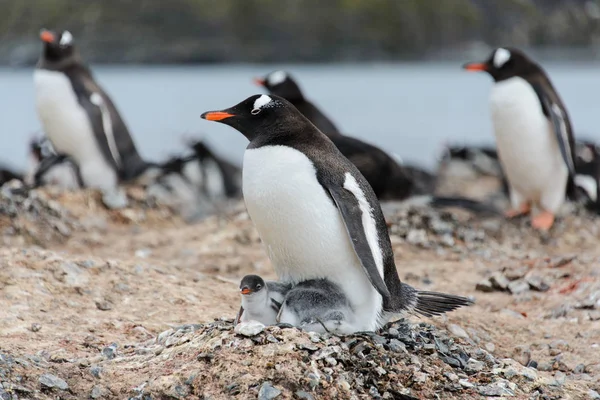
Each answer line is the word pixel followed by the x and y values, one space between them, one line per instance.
pixel 430 304
pixel 474 206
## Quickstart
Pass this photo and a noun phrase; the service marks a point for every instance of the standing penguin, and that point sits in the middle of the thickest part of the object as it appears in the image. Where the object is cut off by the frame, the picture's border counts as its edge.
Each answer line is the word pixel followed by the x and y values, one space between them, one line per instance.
pixel 533 135
pixel 316 214
pixel 280 83
pixel 80 119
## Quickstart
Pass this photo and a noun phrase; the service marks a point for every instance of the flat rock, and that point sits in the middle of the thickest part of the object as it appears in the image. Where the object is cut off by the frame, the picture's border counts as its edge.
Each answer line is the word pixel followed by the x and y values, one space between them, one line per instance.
pixel 51 381
pixel 249 328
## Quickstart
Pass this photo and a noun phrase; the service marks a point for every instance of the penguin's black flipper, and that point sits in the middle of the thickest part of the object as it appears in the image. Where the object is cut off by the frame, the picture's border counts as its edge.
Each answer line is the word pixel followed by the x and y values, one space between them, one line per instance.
pixel 562 128
pixel 352 214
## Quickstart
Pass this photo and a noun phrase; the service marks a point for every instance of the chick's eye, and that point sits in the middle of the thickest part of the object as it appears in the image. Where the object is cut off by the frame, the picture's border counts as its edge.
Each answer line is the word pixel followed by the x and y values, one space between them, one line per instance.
pixel 258 287
pixel 255 111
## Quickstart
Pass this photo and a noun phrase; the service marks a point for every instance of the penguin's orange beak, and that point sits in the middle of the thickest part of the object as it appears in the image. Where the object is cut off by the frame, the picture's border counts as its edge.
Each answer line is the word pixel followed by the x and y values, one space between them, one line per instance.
pixel 216 115
pixel 475 67
pixel 47 36
pixel 245 290
pixel 259 81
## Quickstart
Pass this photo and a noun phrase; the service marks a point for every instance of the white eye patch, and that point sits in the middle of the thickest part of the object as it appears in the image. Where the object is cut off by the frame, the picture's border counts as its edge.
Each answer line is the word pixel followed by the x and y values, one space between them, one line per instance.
pixel 262 101
pixel 501 57
pixel 66 38
pixel 276 78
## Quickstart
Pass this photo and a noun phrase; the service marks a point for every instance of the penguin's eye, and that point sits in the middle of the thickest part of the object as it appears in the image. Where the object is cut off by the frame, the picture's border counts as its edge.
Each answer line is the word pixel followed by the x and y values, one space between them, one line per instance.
pixel 255 111
pixel 258 287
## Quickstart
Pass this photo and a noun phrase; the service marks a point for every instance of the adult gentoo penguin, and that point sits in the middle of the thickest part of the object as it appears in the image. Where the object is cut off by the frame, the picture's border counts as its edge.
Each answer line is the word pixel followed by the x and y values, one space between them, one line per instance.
pixel 281 83
pixel 316 214
pixel 533 134
pixel 80 119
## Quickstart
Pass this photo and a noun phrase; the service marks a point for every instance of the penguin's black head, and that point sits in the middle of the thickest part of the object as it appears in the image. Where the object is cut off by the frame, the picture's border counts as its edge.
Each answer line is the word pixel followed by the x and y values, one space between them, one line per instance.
pixel 251 284
pixel 260 116
pixel 280 83
pixel 505 63
pixel 57 47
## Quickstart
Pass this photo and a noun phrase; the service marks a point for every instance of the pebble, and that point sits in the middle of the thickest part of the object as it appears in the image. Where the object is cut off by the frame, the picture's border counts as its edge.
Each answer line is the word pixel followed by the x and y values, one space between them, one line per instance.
pixel 51 381
pixel 560 377
pixel 594 315
pixel 96 371
pixel 103 305
pixel 35 327
pixel 98 392
pixel 499 281
pixel 579 369
pixel 522 354
pixel 537 283
pixel 489 346
pixel 397 346
pixel 110 351
pixel 457 331
pixel 519 286
pixel 485 286
pixel 465 383
pixel 500 388
pixel 249 328
pixel 474 365
pixel 593 394
pixel 304 395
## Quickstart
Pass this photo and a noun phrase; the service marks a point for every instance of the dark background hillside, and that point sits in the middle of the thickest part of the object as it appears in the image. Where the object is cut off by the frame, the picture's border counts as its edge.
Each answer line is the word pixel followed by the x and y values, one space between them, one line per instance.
pixel 197 31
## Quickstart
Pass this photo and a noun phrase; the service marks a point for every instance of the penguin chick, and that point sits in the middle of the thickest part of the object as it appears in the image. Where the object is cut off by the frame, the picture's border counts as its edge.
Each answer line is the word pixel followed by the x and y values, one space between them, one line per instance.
pixel 261 300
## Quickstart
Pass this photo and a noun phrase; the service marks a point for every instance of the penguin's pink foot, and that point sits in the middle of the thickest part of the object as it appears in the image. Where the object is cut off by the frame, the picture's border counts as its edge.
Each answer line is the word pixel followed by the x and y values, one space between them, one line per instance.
pixel 525 208
pixel 543 221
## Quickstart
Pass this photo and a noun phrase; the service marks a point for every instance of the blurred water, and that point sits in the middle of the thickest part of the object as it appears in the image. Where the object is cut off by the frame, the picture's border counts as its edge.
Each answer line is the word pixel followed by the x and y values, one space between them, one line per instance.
pixel 407 109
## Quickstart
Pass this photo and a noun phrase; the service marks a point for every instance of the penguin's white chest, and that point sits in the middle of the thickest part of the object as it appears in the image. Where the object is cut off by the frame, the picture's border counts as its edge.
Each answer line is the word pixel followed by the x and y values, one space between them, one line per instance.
pixel 301 228
pixel 68 126
pixel 527 146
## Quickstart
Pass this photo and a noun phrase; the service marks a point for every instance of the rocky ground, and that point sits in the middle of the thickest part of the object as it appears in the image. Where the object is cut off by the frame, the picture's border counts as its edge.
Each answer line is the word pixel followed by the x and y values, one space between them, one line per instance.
pixel 137 304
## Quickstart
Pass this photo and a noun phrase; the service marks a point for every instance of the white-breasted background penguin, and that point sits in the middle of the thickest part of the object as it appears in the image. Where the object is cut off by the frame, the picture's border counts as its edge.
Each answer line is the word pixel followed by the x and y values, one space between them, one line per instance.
pixel 81 120
pixel 316 214
pixel 533 134
pixel 391 179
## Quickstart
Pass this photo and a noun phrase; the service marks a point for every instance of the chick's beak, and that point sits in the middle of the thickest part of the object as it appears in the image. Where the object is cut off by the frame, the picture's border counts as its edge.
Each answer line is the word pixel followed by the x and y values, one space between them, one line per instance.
pixel 245 290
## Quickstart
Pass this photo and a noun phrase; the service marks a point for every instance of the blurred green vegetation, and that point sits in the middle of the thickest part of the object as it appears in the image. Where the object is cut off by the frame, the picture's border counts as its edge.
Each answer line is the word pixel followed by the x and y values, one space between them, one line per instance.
pixel 291 30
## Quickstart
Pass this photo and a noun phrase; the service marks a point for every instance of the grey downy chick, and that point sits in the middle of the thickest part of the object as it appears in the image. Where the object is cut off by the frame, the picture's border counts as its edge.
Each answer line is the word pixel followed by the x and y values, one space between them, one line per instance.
pixel 318 305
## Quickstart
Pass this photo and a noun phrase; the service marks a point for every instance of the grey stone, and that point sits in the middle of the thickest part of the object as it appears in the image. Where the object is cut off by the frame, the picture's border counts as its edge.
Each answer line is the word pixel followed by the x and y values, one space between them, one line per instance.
pixel 593 394
pixel 579 369
pixel 594 315
pixel 519 286
pixel 51 381
pixel 393 332
pixel 522 354
pixel 304 395
pixel 499 281
pixel 96 371
pixel 35 327
pixel 474 365
pixel 496 389
pixel 397 346
pixel 110 351
pixel 103 305
pixel 537 283
pixel 560 378
pixel 98 392
pixel 465 383
pixel 485 286
pixel 457 331
pixel 249 328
